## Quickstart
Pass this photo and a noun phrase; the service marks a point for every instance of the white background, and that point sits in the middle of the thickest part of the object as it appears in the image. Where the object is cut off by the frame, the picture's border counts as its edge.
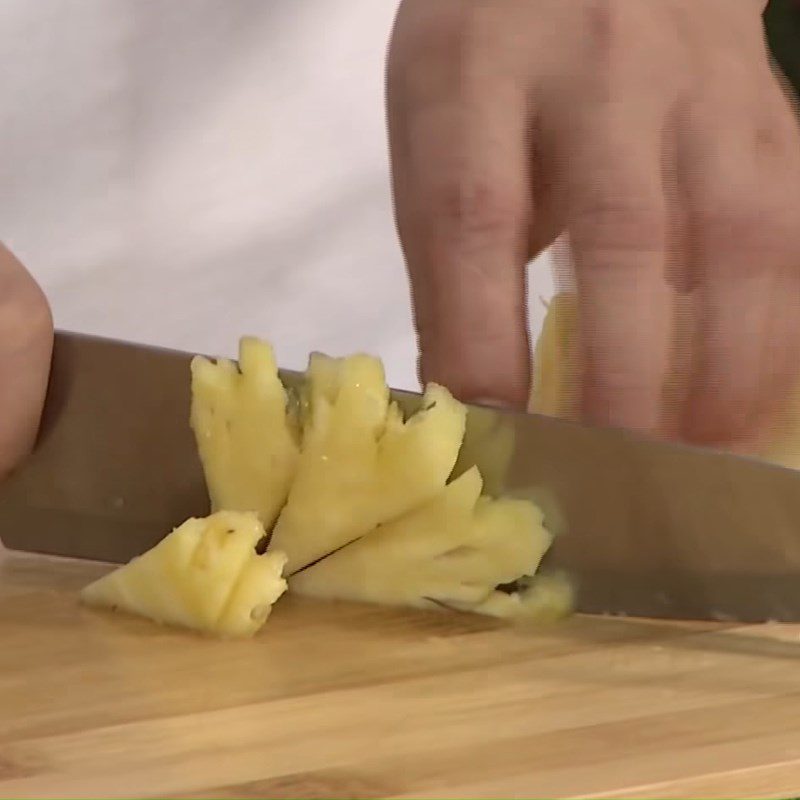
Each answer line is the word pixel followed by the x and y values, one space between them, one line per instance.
pixel 183 173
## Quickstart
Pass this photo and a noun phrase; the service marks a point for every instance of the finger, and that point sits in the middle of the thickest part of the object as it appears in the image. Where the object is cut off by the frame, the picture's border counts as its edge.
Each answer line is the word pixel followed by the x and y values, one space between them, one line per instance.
pixel 778 147
pixel 746 259
pixel 26 338
pixel 461 180
pixel 618 226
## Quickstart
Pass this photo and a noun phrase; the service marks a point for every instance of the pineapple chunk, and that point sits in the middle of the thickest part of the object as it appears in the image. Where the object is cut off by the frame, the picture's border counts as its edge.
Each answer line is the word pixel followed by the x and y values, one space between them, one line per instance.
pixel 555 365
pixel 546 598
pixel 205 575
pixel 245 438
pixel 452 551
pixel 361 464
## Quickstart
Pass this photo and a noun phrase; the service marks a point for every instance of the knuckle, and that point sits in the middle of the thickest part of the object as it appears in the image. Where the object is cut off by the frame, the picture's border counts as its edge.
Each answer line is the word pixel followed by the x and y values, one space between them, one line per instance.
pixel 738 235
pixel 607 24
pixel 618 222
pixel 475 209
pixel 602 20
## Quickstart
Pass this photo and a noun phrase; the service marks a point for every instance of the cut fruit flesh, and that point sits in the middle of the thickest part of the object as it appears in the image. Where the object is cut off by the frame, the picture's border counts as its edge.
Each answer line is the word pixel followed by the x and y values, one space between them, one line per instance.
pixel 359 499
pixel 205 575
pixel 246 440
pixel 360 463
pixel 452 551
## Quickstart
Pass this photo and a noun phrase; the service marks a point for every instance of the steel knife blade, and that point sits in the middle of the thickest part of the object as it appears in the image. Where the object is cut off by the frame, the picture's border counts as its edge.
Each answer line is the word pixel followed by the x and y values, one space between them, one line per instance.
pixel 642 527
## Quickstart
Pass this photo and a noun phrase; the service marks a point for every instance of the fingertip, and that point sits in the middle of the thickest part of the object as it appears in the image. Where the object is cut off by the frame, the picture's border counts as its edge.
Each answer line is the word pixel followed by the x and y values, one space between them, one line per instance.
pixel 482 376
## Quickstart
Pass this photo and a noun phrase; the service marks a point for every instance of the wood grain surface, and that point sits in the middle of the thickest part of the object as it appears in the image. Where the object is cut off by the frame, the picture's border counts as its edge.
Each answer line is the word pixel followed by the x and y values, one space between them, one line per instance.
pixel 334 700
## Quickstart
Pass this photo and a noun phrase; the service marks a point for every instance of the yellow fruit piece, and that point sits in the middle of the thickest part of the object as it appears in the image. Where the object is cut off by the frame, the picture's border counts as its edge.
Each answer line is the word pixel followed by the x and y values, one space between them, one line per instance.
pixel 259 587
pixel 452 551
pixel 547 598
pixel 246 440
pixel 361 464
pixel 555 365
pixel 205 575
pixel 557 380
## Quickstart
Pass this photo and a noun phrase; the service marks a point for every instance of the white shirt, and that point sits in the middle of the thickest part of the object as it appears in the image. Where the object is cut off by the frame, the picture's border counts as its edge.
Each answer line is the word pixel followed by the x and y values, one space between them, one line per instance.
pixel 183 173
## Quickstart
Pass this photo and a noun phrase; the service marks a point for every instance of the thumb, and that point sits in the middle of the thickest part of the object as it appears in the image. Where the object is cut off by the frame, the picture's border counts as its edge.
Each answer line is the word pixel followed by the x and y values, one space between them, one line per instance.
pixel 26 341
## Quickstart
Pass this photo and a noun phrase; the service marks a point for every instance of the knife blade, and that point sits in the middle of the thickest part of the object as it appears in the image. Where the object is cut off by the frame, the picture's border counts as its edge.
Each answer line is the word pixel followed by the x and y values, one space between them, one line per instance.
pixel 642 527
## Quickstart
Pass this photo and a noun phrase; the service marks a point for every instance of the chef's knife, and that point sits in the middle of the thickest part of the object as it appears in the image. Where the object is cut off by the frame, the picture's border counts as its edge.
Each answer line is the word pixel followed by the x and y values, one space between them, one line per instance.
pixel 645 528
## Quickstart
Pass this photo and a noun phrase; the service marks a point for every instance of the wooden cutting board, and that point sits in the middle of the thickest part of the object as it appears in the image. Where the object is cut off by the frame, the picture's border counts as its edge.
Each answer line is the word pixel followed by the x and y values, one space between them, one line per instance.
pixel 349 701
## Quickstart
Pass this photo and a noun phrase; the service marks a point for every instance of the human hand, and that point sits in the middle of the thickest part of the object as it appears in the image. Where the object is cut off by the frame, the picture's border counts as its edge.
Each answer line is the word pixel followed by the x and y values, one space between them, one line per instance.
pixel 659 137
pixel 26 340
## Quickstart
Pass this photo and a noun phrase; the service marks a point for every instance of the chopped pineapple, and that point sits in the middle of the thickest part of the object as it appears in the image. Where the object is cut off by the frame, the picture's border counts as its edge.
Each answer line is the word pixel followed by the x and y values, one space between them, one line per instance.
pixel 205 575
pixel 358 497
pixel 244 435
pixel 555 373
pixel 360 463
pixel 546 598
pixel 452 551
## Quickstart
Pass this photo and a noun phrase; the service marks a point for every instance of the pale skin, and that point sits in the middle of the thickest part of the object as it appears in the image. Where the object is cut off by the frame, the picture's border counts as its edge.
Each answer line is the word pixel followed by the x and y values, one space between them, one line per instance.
pixel 26 340
pixel 657 134
pixel 654 131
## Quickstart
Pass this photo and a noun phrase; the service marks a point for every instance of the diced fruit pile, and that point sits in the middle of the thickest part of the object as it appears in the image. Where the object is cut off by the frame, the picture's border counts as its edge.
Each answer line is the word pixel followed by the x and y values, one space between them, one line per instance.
pixel 352 501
